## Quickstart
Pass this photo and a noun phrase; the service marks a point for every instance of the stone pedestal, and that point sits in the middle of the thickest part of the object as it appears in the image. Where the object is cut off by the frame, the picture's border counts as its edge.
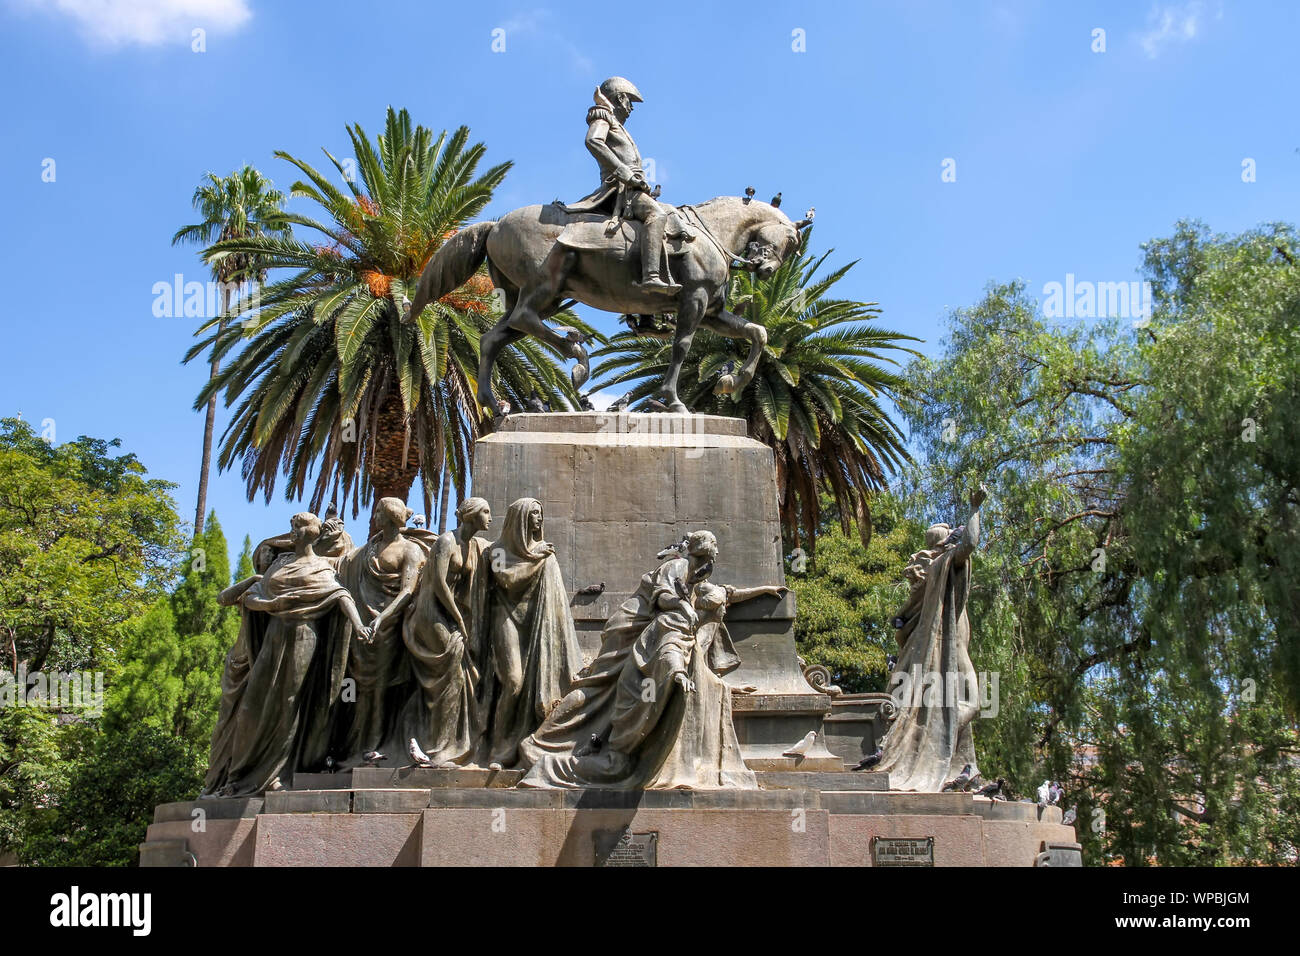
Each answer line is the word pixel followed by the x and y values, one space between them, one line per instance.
pixel 435 818
pixel 617 488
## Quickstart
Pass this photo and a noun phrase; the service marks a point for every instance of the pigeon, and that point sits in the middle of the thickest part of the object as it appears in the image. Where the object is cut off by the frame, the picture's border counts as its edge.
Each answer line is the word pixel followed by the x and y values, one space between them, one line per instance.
pixel 620 404
pixel 418 521
pixel 331 765
pixel 655 405
pixel 1070 816
pixel 960 782
pixel 591 590
pixel 584 403
pixel 419 756
pixel 673 549
pixel 657 191
pixel 535 404
pixel 776 200
pixel 991 790
pixel 749 194
pixel 1055 792
pixel 726 368
pixel 372 757
pixel 1045 793
pixel 891 661
pixel 811 214
pixel 802 747
pixel 870 760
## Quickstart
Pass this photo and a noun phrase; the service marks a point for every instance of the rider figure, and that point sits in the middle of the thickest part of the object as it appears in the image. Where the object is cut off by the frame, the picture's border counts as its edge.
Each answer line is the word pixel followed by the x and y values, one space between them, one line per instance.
pixel 623 191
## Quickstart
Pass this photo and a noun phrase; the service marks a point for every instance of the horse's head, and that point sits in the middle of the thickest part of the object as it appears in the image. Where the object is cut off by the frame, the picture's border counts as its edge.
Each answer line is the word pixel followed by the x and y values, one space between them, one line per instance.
pixel 772 239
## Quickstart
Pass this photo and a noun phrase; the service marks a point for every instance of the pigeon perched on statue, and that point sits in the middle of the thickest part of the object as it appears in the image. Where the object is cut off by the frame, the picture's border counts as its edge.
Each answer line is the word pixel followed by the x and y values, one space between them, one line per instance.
pixel 418 755
pixel 803 746
pixel 870 760
pixel 992 790
pixel 673 550
pixel 1070 816
pixel 960 782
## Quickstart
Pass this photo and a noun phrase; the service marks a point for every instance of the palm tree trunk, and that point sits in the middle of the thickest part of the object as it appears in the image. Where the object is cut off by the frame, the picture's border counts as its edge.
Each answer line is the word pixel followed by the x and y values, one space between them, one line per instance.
pixel 442 505
pixel 389 476
pixel 210 424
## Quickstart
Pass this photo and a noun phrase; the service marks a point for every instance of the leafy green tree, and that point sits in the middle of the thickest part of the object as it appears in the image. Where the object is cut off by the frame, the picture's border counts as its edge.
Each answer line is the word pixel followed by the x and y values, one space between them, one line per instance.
pixel 328 379
pixel 175 653
pixel 237 206
pixel 815 397
pixel 102 814
pixel 847 596
pixel 1133 592
pixel 87 542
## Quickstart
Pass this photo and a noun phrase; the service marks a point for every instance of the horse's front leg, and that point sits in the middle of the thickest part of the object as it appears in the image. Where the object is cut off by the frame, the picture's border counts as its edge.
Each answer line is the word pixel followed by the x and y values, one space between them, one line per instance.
pixel 690 311
pixel 732 326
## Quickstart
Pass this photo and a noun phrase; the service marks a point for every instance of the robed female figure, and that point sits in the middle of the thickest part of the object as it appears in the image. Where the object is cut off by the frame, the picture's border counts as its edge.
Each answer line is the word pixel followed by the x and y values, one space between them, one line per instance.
pixel 934 682
pixel 285 670
pixel 534 648
pixel 444 636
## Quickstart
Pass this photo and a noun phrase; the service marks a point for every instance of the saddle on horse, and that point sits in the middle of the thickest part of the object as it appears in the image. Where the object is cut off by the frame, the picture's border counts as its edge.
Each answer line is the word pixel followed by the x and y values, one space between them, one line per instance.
pixel 623 237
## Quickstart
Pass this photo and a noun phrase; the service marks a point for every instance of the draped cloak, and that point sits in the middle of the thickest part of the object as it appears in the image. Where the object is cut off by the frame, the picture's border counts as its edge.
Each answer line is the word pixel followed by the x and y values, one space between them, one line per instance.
pixel 934 683
pixel 672 740
pixel 379 668
pixel 527 589
pixel 442 711
pixel 282 677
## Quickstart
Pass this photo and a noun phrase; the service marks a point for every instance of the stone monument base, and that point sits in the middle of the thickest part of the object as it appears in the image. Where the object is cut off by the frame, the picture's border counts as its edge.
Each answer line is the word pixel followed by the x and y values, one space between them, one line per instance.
pixel 427 817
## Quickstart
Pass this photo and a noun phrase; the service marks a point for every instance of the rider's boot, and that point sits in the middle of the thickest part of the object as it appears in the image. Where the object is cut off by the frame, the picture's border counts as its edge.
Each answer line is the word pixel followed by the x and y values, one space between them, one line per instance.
pixel 652 241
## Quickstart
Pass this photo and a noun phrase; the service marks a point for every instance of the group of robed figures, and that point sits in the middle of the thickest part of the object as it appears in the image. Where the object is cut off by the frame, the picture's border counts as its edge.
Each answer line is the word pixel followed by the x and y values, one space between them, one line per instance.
pixel 455 651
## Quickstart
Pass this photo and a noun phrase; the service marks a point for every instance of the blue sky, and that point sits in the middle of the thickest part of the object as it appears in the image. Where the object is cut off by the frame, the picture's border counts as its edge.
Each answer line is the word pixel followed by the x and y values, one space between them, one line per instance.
pixel 1066 158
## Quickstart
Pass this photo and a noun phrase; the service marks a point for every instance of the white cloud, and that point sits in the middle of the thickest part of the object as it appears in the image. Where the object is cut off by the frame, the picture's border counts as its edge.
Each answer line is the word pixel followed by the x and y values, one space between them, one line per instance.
pixel 147 22
pixel 1172 23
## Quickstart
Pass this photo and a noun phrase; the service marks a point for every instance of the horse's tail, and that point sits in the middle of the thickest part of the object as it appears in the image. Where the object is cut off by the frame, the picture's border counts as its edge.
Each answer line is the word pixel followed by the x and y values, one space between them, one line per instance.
pixel 451 266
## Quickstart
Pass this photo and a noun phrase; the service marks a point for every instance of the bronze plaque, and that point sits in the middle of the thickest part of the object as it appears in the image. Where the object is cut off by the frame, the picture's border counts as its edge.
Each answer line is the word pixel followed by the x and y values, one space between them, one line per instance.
pixel 895 851
pixel 625 848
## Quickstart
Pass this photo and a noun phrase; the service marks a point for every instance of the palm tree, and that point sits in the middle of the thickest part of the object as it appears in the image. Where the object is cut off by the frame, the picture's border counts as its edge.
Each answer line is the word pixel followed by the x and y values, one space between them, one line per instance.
pixel 815 397
pixel 329 383
pixel 237 206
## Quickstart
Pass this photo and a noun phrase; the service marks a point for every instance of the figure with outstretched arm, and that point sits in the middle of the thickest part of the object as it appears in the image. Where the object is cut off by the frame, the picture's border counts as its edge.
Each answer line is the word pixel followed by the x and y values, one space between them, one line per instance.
pixel 934 682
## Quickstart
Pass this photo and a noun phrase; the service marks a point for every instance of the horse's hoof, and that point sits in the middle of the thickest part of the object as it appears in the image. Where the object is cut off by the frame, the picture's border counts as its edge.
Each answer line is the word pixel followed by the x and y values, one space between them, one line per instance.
pixel 581 372
pixel 726 385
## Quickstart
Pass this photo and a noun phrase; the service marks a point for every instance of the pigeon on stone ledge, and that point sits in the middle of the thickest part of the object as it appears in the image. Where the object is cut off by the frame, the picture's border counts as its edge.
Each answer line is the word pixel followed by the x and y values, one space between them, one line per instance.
pixel 802 747
pixel 870 760
pixel 960 782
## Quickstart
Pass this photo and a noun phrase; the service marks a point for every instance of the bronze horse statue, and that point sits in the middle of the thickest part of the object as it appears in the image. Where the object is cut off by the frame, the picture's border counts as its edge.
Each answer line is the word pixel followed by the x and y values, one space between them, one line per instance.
pixel 544 258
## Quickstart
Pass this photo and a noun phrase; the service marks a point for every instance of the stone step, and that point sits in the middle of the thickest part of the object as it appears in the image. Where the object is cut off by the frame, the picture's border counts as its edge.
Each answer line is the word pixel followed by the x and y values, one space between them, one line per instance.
pixel 822 781
pixel 432 778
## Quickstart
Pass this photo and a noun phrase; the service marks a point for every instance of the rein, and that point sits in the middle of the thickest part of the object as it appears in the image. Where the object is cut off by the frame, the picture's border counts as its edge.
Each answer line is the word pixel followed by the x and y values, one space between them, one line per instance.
pixel 730 256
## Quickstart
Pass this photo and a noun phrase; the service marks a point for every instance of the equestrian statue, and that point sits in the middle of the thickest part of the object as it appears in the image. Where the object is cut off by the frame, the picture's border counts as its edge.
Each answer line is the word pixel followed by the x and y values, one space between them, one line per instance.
pixel 620 250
